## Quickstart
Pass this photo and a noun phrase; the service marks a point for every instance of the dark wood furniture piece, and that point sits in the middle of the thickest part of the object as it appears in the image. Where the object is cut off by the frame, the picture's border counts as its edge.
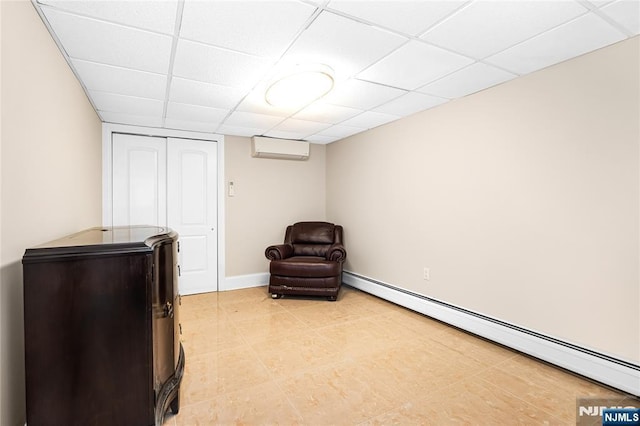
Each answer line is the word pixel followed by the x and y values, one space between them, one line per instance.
pixel 102 340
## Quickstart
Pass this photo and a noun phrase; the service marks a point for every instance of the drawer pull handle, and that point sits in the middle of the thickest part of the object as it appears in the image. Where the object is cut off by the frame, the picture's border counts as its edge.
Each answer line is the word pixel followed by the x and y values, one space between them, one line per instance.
pixel 168 310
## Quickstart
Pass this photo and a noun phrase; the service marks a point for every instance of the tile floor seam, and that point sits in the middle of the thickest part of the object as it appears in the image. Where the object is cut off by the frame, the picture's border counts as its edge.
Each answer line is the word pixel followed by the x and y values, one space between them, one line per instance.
pixel 525 401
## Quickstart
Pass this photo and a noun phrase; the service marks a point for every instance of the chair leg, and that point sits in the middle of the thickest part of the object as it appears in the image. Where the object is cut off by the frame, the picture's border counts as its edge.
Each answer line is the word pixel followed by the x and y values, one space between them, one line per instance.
pixel 332 298
pixel 275 296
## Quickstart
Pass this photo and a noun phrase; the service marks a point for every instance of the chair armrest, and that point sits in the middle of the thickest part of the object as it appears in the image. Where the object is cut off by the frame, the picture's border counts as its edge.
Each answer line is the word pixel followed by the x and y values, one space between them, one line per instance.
pixel 337 253
pixel 278 252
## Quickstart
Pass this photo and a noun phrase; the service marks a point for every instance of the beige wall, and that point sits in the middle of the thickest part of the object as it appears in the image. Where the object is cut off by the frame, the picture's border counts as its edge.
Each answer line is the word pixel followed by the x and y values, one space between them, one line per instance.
pixel 521 199
pixel 270 194
pixel 50 171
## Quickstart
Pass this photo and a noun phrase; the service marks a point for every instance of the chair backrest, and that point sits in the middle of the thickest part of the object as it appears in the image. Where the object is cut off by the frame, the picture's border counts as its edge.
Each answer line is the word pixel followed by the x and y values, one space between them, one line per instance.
pixel 312 238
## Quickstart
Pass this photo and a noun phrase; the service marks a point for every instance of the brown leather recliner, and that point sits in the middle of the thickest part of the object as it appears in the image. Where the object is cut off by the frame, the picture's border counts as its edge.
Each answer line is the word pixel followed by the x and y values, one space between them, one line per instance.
pixel 309 263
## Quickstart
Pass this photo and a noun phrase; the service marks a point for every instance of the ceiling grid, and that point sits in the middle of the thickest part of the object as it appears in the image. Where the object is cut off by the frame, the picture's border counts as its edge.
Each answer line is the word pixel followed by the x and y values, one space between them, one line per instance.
pixel 205 65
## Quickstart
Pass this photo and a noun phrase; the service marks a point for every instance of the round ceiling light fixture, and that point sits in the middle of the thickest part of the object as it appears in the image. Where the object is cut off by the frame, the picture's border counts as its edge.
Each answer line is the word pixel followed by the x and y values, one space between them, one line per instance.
pixel 301 86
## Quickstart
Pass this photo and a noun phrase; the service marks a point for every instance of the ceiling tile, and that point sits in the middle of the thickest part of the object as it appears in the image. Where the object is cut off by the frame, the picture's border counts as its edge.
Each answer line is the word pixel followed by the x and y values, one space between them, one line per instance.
pixel 135 120
pixel 252 120
pixel 196 126
pixel 410 103
pixel 204 94
pixel 178 111
pixel 238 131
pixel 197 61
pixel 126 104
pixel 263 28
pixel 304 127
pixel 369 120
pixel 97 41
pixel 286 135
pixel 468 80
pixel 327 113
pixel 122 81
pixel 321 139
pixel 341 131
pixel 408 17
pixel 626 13
pixel 150 15
pixel 600 3
pixel 582 35
pixel 420 63
pixel 361 95
pixel 255 102
pixel 345 45
pixel 486 27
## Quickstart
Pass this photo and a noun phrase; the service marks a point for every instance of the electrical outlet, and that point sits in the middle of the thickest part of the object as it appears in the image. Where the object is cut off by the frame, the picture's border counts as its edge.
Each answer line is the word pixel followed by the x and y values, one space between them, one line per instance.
pixel 426 274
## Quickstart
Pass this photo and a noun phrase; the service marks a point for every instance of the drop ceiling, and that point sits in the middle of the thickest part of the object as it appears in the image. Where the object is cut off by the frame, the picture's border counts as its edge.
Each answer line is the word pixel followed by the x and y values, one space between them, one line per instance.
pixel 205 65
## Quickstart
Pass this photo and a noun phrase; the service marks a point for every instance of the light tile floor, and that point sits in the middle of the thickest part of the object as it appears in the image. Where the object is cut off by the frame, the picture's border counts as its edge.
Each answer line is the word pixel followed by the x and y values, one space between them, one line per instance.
pixel 252 360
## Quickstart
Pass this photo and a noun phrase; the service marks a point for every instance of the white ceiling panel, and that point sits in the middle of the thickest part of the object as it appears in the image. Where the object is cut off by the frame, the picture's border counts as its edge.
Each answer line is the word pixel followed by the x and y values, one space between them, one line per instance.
pixel 127 104
pixel 582 35
pixel 195 126
pixel 408 17
pixel 321 139
pixel 361 95
pixel 150 15
pixel 135 120
pixel 420 64
pixel 327 113
pixel 626 13
pixel 204 94
pixel 239 131
pixel 197 61
pixel 243 25
pixel 304 127
pixel 205 65
pixel 122 81
pixel 468 80
pixel 252 120
pixel 97 41
pixel 599 3
pixel 409 104
pixel 178 111
pixel 345 45
pixel 255 102
pixel 486 27
pixel 341 131
pixel 285 135
pixel 369 120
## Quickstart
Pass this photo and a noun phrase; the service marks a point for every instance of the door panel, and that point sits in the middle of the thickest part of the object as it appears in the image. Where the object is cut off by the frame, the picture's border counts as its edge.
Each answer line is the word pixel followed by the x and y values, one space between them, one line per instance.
pixel 139 180
pixel 192 211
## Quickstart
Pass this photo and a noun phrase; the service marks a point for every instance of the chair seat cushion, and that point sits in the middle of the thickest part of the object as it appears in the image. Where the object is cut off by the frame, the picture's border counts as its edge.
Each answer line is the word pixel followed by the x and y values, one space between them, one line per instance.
pixel 305 266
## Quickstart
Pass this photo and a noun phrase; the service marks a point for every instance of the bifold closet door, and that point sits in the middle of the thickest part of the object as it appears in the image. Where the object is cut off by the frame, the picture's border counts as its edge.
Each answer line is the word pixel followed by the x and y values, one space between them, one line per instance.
pixel 171 182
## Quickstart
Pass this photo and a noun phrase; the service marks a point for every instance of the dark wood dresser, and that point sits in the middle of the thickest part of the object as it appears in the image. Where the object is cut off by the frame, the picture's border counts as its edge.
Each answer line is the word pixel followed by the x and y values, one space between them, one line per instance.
pixel 101 327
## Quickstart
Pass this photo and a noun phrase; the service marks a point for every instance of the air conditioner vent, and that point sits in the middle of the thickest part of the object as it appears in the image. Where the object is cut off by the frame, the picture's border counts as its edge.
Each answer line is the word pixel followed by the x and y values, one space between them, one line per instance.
pixel 287 149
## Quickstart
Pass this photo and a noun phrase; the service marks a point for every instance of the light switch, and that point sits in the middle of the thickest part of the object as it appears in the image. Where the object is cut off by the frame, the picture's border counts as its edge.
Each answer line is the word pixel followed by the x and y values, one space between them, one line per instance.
pixel 232 191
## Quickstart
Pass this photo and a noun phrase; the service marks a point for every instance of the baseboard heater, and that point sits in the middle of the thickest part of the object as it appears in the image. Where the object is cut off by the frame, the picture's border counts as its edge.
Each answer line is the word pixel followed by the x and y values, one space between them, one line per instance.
pixel 600 367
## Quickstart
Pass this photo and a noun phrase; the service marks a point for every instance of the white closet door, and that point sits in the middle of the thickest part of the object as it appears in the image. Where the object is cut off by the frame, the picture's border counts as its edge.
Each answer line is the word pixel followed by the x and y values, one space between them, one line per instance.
pixel 192 211
pixel 139 180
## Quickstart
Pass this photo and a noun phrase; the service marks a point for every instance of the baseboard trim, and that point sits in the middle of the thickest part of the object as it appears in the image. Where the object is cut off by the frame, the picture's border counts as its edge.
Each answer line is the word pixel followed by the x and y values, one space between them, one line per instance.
pixel 238 282
pixel 600 367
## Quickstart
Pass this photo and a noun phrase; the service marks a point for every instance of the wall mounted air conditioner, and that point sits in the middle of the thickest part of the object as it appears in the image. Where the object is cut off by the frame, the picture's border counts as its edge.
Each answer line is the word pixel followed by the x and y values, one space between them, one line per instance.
pixel 279 148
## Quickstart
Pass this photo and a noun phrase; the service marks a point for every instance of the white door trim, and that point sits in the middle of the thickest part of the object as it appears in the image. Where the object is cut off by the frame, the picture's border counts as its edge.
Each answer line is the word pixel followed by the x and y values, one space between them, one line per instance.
pixel 107 191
